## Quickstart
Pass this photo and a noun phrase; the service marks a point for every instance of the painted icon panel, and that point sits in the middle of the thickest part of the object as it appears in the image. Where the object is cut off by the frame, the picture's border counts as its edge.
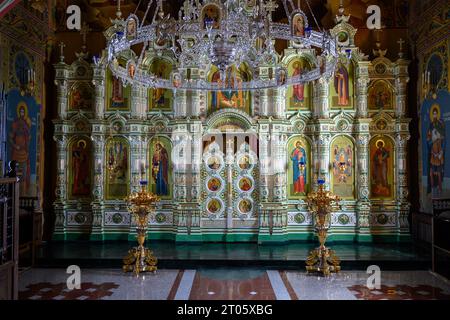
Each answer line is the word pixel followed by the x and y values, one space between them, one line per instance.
pixel 81 97
pixel 160 175
pixel 117 168
pixel 159 98
pixel 231 98
pixel 341 91
pixel 80 173
pixel 343 171
pixel 381 168
pixel 298 96
pixel 299 164
pixel 118 95
pixel 380 96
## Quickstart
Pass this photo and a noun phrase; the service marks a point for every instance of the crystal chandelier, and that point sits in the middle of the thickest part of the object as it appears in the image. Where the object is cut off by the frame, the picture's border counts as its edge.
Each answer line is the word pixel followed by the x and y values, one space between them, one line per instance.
pixel 224 34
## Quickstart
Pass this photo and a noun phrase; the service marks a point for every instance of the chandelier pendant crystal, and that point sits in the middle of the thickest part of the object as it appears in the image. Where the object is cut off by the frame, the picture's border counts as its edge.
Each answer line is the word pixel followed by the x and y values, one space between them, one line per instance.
pixel 224 34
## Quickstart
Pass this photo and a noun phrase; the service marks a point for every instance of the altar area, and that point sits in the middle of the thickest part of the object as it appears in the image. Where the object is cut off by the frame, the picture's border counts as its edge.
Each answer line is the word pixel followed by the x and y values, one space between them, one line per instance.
pixel 233 165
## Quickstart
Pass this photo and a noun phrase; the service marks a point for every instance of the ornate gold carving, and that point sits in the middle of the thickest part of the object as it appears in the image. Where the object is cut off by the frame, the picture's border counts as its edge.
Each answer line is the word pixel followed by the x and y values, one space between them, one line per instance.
pixel 141 204
pixel 321 204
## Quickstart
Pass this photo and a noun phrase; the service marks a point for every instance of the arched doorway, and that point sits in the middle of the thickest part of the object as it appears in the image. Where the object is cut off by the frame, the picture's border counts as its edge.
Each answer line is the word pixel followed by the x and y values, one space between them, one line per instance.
pixel 230 172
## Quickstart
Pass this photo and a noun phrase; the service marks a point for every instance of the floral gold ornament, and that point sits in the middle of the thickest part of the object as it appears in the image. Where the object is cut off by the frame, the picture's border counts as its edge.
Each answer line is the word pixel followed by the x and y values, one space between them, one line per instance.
pixel 321 203
pixel 141 205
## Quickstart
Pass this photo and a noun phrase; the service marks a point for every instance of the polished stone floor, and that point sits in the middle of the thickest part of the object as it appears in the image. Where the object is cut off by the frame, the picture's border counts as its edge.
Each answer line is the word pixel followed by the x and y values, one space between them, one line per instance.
pixel 230 284
pixel 191 256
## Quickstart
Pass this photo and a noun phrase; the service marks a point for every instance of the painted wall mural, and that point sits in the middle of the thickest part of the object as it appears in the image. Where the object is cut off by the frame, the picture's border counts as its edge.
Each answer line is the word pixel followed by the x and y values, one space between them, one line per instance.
pixel 80 177
pixel 229 98
pixel 380 96
pixel 160 99
pixel 160 171
pixel 117 168
pixel 299 164
pixel 23 138
pixel 298 96
pixel 434 151
pixel 343 171
pixel 382 168
pixel 435 133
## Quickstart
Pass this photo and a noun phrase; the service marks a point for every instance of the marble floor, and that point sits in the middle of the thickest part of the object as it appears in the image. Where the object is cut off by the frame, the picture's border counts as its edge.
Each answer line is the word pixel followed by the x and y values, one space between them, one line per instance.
pixel 230 284
pixel 212 255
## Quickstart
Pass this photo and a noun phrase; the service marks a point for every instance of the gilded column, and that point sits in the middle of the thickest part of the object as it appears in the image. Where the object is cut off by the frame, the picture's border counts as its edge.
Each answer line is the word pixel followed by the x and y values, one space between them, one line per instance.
pixel 264 103
pixel 61 186
pixel 100 84
pixel 279 100
pixel 138 102
pixel 401 141
pixel 362 74
pixel 401 85
pixel 180 108
pixel 137 161
pixel 362 180
pixel 98 140
pixel 62 73
pixel 323 152
pixel 196 130
pixel 265 167
pixel 323 89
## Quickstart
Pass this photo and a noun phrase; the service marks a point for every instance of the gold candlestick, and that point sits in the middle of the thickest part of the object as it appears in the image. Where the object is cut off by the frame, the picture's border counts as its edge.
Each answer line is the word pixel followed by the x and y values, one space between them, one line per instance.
pixel 320 203
pixel 140 205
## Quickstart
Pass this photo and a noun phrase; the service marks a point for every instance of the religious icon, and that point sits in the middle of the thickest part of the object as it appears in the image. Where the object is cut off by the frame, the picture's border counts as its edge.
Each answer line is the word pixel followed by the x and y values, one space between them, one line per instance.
pixel 160 98
pixel 118 162
pixel 80 98
pixel 131 31
pixel 299 162
pixel 19 139
pixel 322 64
pixel 211 16
pixel 131 69
pixel 250 4
pixel 380 169
pixel 436 150
pixel 281 77
pixel 244 163
pixel 341 85
pixel 176 80
pixel 380 96
pixel 214 185
pixel 160 169
pixel 80 169
pixel 214 163
pixel 230 97
pixel 117 168
pixel 118 100
pixel 298 89
pixel 342 37
pixel 245 184
pixel 214 206
pixel 381 125
pixel 245 206
pixel 342 161
pixel 298 25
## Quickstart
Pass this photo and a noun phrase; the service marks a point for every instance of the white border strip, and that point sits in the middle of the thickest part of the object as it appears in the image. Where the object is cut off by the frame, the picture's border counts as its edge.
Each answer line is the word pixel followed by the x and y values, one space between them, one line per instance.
pixel 184 289
pixel 280 290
